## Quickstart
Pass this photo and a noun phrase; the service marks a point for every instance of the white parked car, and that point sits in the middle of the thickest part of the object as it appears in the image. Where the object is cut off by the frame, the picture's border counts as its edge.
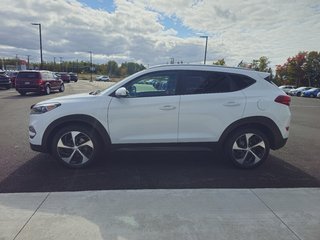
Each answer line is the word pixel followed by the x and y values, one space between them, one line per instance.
pixel 298 91
pixel 237 109
pixel 287 88
pixel 103 78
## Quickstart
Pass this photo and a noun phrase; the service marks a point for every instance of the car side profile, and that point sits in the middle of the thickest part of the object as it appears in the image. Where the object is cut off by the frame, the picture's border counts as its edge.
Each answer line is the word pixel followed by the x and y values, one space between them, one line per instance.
pixel 5 81
pixel 103 78
pixel 298 91
pixel 287 88
pixel 238 110
pixel 310 93
pixel 39 81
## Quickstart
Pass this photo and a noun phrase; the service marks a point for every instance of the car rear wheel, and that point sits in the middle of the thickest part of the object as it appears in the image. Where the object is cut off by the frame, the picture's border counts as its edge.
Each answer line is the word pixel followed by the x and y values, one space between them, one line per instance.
pixel 247 148
pixel 47 90
pixel 75 146
pixel 22 93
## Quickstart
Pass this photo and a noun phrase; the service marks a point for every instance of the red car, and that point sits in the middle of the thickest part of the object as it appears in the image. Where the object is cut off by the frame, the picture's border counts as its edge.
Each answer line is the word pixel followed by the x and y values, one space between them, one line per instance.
pixel 38 81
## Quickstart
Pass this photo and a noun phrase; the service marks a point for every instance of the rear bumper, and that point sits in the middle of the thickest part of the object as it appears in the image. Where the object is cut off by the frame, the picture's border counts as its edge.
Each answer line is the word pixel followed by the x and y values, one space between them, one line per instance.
pixel 5 84
pixel 279 143
pixel 30 89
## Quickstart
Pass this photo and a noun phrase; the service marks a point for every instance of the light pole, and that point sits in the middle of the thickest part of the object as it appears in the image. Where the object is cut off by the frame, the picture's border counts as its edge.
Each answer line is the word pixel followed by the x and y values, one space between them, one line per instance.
pixel 205 50
pixel 41 59
pixel 90 66
pixel 28 62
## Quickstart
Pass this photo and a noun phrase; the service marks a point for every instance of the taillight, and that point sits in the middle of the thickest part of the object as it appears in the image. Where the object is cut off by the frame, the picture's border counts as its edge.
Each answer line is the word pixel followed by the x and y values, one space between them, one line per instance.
pixel 40 82
pixel 283 99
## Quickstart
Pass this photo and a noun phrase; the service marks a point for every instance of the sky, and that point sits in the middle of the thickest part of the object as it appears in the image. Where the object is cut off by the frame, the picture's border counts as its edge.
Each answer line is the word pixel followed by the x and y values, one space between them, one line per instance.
pixel 151 32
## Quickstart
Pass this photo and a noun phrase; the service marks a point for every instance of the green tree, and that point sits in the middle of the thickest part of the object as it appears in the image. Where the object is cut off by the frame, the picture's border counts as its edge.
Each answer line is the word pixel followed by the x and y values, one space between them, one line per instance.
pixel 112 68
pixel 220 62
pixel 260 64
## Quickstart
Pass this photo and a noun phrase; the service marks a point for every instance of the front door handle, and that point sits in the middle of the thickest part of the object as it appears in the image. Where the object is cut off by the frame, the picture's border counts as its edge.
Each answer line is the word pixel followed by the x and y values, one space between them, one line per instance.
pixel 167 107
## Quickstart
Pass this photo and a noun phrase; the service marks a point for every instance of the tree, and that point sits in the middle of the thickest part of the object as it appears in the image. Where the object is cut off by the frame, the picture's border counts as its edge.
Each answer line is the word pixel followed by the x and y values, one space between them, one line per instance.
pixel 261 64
pixel 220 62
pixel 300 70
pixel 112 68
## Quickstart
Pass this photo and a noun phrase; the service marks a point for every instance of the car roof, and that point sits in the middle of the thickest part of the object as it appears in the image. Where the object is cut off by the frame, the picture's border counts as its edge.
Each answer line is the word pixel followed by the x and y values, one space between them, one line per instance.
pixel 203 67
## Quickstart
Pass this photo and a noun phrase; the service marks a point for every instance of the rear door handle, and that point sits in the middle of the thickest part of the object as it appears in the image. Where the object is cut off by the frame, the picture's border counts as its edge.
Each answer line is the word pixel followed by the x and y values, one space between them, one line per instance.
pixel 231 104
pixel 167 107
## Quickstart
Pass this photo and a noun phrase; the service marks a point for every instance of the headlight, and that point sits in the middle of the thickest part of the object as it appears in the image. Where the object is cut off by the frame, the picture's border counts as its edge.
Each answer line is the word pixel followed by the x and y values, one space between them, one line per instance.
pixel 43 108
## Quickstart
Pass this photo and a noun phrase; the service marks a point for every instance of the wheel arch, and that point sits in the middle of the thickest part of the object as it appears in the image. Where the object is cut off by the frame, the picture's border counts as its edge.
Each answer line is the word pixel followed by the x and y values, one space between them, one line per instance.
pixel 76 119
pixel 263 124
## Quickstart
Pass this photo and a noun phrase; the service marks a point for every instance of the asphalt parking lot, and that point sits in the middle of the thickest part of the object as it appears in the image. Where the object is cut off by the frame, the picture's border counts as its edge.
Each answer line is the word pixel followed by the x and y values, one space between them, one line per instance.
pixel 22 170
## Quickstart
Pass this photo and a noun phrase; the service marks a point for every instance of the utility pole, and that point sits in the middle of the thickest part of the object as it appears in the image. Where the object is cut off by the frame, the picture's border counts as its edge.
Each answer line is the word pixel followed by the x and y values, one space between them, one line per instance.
pixel 28 66
pixel 91 66
pixel 60 64
pixel 205 50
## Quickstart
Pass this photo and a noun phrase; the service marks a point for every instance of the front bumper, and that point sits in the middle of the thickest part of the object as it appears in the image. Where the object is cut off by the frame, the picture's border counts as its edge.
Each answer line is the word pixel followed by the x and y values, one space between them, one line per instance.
pixel 38 148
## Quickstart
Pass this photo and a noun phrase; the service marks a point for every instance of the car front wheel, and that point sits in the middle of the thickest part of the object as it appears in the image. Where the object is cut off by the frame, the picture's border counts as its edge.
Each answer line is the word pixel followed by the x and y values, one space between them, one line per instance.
pixel 61 89
pixel 75 146
pixel 47 90
pixel 247 148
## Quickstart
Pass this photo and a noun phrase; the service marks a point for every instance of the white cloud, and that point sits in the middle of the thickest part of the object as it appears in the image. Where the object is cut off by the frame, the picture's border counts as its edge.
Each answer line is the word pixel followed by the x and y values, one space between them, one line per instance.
pixel 134 31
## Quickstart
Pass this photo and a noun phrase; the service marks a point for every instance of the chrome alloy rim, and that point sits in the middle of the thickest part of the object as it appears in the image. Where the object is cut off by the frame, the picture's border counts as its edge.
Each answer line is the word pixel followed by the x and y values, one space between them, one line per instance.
pixel 248 149
pixel 75 148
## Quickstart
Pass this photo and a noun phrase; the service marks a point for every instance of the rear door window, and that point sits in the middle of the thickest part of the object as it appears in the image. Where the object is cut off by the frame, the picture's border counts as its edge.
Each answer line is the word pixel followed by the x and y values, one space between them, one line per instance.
pixel 201 82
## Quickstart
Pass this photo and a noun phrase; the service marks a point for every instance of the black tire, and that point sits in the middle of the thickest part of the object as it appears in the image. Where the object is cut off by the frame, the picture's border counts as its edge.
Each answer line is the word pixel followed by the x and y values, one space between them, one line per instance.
pixel 247 148
pixel 61 89
pixel 8 87
pixel 22 93
pixel 298 94
pixel 47 90
pixel 75 146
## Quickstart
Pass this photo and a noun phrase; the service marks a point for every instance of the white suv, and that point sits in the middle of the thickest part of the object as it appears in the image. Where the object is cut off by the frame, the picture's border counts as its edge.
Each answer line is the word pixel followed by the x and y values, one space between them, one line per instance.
pixel 167 106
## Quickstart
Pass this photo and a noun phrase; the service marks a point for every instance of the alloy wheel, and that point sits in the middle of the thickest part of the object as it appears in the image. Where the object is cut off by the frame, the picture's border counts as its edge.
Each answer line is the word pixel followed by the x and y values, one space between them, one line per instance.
pixel 75 148
pixel 248 149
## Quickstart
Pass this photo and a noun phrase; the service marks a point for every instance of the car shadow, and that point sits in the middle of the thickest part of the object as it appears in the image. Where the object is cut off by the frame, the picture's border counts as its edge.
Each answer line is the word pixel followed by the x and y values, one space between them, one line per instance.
pixel 153 170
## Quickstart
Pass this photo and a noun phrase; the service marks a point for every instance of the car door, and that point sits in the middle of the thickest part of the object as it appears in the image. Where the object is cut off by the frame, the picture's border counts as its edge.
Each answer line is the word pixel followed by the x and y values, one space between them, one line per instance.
pixel 208 105
pixel 149 113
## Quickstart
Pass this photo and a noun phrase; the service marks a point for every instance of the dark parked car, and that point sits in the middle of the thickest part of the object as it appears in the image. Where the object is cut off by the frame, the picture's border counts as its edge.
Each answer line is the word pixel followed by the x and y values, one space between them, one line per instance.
pixel 5 81
pixel 38 81
pixel 12 75
pixel 64 76
pixel 73 76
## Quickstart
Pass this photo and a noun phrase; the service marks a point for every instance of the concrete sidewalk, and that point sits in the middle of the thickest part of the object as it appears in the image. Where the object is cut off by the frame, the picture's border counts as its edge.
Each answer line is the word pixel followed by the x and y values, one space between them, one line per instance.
pixel 163 214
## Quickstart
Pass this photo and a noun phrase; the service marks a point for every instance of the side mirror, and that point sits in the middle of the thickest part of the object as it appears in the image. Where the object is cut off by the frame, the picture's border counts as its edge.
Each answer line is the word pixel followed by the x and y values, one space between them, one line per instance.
pixel 121 92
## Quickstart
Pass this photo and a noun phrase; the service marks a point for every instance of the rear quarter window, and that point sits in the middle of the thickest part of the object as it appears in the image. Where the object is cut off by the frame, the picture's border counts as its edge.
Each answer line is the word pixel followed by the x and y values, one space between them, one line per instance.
pixel 240 82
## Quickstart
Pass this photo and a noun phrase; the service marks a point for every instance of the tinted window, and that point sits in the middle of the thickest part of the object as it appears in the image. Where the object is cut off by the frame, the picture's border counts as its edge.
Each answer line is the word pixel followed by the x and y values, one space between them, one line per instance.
pixel 30 75
pixel 151 85
pixel 240 82
pixel 197 82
